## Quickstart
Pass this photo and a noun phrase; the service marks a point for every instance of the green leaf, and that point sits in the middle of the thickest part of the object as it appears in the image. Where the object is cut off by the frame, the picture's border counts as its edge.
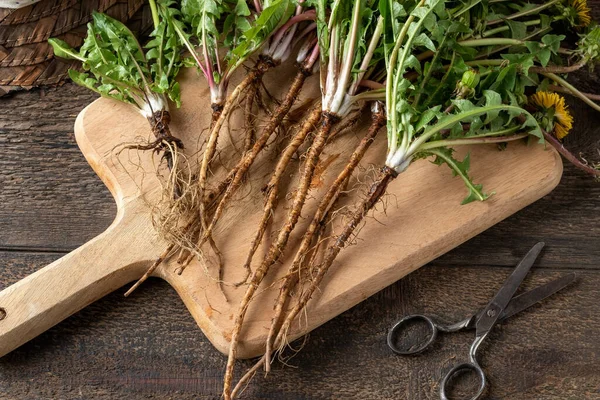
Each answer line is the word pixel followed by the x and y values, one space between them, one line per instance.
pixel 541 52
pixel 174 94
pixel 83 79
pixel 544 50
pixel 273 15
pixel 105 90
pixel 523 61
pixel 424 40
pixel 553 42
pixel 492 99
pixel 122 40
pixel 507 78
pixel 460 168
pixel 412 63
pixel 241 8
pixel 468 114
pixel 426 117
pixel 518 29
pixel 63 50
pixel 115 61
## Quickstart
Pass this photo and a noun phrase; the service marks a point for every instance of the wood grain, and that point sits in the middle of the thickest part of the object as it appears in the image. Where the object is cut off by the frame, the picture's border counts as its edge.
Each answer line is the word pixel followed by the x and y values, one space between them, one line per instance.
pixel 148 346
pixel 548 352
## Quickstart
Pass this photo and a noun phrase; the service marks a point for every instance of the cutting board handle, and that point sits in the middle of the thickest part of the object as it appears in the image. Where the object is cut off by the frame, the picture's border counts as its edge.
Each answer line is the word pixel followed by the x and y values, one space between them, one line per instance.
pixel 43 299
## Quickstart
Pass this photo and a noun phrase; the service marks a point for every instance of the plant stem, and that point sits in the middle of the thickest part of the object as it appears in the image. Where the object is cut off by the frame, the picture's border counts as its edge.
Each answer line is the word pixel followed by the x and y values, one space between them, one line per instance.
pixel 470 141
pixel 208 65
pixel 561 89
pixel 506 28
pixel 341 86
pixel 501 48
pixel 464 10
pixel 569 156
pixel 487 63
pixel 572 89
pixel 373 94
pixel 484 40
pixel 525 12
pixel 555 69
pixel 429 74
pixel 374 85
pixel 457 170
pixel 490 42
pixel 154 10
pixel 374 42
pixel 450 121
pixel 443 81
pixel 396 71
pixel 189 47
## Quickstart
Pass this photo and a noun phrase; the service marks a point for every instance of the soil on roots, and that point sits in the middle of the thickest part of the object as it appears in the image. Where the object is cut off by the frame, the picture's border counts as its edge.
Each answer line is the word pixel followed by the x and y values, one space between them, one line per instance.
pixel 276 250
pixel 272 188
pixel 261 67
pixel 247 160
pixel 316 225
pixel 377 190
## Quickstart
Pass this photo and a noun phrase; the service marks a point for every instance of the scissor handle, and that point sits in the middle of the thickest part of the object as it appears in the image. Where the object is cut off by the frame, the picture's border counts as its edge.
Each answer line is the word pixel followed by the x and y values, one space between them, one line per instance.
pixel 434 327
pixel 397 328
pixel 467 366
pixel 471 365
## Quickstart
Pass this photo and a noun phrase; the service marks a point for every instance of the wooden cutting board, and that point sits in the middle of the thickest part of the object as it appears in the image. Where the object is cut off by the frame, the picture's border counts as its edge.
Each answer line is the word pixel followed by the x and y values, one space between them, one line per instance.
pixel 423 219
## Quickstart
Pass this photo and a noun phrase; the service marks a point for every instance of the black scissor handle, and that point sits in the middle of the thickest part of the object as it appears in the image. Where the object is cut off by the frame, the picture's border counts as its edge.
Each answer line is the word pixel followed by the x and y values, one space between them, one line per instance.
pixel 394 333
pixel 467 366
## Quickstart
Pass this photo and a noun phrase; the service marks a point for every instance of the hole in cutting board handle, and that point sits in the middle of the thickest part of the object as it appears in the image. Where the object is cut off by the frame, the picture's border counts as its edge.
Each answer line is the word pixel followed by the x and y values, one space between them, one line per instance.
pixel 2 313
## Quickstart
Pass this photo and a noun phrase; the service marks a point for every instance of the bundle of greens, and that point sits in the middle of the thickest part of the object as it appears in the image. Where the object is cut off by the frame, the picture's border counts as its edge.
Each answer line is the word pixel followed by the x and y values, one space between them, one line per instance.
pixel 276 50
pixel 314 230
pixel 272 27
pixel 118 67
pixel 227 34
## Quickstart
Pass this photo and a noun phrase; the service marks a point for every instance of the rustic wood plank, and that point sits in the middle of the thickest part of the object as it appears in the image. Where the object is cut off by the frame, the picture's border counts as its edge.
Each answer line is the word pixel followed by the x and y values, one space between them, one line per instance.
pixel 46 183
pixel 548 352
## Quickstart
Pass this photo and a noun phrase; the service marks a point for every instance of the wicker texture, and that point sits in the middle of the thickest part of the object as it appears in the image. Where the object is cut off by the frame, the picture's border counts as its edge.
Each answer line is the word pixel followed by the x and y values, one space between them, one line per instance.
pixel 26 58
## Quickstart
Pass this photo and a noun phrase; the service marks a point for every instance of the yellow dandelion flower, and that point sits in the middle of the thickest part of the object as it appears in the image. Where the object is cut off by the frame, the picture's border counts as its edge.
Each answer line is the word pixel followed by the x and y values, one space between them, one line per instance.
pixel 583 12
pixel 562 120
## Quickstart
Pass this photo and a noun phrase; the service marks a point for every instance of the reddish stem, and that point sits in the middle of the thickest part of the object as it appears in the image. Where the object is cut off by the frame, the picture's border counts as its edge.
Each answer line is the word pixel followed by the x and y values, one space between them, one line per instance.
pixel 570 156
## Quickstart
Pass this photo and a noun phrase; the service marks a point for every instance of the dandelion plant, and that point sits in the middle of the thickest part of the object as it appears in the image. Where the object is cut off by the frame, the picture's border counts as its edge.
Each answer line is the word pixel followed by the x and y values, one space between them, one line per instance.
pixel 278 49
pixel 116 66
pixel 239 39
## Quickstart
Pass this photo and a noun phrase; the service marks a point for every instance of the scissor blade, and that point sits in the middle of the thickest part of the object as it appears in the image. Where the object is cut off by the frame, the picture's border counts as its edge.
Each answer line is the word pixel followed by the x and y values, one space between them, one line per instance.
pixel 527 299
pixel 496 306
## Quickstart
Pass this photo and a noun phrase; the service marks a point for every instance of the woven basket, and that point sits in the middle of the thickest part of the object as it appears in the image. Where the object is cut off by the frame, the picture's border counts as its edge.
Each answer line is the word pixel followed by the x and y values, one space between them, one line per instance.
pixel 26 58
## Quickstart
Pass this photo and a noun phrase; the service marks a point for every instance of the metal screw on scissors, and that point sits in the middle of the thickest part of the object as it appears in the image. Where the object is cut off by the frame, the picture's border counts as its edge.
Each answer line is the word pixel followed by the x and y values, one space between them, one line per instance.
pixel 502 306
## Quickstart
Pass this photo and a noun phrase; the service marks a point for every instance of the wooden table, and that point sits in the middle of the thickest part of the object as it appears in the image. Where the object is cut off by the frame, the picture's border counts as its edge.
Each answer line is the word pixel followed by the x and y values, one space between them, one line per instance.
pixel 148 346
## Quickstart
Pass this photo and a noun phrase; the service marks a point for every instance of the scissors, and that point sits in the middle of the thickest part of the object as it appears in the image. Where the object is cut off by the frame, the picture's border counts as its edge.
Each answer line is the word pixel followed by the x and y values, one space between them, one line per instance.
pixel 502 306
